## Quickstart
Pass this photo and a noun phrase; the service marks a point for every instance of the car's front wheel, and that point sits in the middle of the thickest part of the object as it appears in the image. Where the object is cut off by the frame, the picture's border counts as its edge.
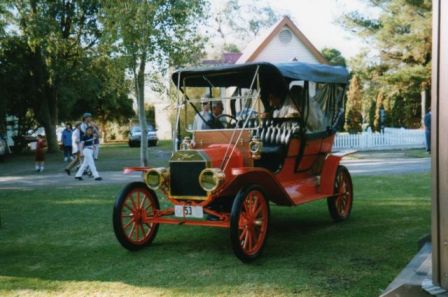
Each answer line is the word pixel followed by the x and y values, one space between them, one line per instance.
pixel 134 205
pixel 249 223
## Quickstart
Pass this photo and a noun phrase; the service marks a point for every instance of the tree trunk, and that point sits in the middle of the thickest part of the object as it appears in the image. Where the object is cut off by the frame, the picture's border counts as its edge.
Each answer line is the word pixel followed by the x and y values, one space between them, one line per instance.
pixel 45 101
pixel 140 91
pixel 52 140
pixel 50 135
pixel 104 131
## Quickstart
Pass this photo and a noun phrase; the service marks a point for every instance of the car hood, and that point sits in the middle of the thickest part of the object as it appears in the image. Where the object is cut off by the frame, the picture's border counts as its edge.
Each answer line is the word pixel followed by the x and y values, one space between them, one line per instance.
pixel 213 155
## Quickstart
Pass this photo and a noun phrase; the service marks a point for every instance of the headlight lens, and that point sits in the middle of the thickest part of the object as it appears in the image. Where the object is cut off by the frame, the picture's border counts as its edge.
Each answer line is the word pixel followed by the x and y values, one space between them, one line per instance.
pixel 255 145
pixel 156 177
pixel 211 178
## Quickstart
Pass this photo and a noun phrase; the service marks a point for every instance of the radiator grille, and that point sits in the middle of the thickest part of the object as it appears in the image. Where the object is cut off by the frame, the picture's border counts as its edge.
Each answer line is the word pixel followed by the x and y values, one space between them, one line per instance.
pixel 184 178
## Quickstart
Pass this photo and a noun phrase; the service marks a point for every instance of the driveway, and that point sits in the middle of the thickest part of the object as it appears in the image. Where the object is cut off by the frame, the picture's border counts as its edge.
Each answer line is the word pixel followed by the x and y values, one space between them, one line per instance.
pixel 387 166
pixel 367 166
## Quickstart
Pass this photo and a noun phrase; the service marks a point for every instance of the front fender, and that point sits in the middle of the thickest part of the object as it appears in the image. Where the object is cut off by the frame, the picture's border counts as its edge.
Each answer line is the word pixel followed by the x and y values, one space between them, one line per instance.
pixel 262 177
pixel 128 170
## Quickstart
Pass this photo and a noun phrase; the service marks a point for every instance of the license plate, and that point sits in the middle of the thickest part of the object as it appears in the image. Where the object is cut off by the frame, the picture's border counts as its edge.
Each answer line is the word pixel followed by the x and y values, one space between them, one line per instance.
pixel 188 211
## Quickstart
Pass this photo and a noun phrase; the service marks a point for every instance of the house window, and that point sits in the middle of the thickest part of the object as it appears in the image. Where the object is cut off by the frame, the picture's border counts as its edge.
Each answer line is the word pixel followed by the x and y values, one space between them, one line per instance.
pixel 285 36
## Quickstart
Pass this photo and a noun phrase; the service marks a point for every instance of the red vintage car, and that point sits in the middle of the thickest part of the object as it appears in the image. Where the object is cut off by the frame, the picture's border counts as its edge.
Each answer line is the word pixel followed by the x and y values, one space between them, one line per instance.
pixel 248 135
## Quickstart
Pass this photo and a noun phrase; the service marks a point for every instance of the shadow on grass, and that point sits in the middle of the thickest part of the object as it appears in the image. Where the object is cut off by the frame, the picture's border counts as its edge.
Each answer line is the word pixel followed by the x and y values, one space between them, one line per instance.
pixel 50 236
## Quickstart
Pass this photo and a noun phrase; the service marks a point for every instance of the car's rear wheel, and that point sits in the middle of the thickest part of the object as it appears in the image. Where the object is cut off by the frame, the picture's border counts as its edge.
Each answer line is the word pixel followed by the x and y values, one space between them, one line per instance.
pixel 249 223
pixel 134 205
pixel 340 205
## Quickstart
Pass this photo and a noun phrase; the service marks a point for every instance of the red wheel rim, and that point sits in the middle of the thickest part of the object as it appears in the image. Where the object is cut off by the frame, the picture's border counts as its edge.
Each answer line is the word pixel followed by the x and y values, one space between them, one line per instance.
pixel 344 198
pixel 253 222
pixel 138 206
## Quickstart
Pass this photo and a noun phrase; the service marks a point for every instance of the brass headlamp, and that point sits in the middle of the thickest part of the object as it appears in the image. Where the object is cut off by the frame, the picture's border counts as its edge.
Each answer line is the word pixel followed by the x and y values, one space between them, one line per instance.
pixel 156 177
pixel 211 178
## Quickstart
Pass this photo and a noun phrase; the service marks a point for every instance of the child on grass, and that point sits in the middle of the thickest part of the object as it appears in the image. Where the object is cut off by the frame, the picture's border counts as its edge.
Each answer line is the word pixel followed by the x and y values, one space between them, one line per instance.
pixel 40 153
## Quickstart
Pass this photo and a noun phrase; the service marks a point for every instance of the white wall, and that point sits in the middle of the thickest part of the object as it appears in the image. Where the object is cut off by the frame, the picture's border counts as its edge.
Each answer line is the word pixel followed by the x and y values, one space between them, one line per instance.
pixel 163 110
pixel 276 51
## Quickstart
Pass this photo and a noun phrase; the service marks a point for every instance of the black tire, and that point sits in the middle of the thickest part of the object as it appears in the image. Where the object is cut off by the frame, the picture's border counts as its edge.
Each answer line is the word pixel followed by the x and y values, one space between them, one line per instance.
pixel 340 206
pixel 242 234
pixel 137 209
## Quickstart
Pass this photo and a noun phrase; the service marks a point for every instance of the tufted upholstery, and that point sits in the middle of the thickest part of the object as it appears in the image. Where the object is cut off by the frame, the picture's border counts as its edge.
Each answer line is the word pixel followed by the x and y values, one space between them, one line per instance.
pixel 275 137
pixel 279 133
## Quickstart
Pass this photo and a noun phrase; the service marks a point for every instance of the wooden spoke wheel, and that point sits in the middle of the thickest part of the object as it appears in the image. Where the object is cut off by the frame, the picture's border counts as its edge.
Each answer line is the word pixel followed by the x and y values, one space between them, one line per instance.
pixel 249 223
pixel 135 204
pixel 340 205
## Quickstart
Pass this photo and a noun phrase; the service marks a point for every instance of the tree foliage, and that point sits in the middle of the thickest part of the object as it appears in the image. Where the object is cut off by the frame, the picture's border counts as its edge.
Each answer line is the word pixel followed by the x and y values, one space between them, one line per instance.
pixel 57 35
pixel 55 69
pixel 353 115
pixel 161 33
pixel 334 57
pixel 243 20
pixel 399 39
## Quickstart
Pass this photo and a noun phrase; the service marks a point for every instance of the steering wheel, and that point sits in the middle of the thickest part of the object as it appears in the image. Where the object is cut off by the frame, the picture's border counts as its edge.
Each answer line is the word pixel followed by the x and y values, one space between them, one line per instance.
pixel 231 123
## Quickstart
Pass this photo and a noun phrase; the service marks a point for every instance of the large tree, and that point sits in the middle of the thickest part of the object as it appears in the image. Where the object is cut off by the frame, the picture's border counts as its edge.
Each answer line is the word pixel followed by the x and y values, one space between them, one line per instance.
pixel 232 24
pixel 399 39
pixel 153 36
pixel 105 92
pixel 15 81
pixel 58 34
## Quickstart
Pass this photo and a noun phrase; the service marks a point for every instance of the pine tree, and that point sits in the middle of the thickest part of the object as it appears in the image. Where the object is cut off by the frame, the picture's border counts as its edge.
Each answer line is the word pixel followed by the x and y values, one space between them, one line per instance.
pixel 353 116
pixel 379 104
pixel 398 38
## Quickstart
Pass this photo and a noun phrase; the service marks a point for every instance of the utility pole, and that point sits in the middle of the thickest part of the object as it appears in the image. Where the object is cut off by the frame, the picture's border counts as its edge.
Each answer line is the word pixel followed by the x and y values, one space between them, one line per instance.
pixel 439 140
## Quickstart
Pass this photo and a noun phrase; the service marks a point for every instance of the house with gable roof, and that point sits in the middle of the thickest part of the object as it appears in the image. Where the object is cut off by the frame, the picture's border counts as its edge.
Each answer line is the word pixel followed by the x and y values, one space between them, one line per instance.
pixel 283 42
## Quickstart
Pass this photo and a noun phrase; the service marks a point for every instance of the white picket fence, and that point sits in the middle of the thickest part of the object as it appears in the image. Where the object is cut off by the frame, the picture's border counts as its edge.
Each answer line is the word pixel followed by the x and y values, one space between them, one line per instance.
pixel 392 138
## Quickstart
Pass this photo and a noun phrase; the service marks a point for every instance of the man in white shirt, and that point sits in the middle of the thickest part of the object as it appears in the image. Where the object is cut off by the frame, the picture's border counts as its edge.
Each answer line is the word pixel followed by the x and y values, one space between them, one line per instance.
pixel 285 110
pixel 199 123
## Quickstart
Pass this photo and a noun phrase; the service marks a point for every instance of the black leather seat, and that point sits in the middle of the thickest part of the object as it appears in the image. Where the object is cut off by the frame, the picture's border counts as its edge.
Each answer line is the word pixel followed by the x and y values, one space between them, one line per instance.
pixel 275 138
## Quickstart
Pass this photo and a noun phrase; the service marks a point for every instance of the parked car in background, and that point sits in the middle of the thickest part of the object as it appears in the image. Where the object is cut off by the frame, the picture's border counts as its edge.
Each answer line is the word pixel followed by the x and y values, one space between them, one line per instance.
pixel 135 135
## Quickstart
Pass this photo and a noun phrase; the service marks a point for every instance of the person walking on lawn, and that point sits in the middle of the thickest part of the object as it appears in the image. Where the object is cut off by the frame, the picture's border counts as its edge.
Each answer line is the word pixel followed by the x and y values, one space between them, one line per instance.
pixel 76 138
pixel 87 146
pixel 40 153
pixel 427 122
pixel 67 142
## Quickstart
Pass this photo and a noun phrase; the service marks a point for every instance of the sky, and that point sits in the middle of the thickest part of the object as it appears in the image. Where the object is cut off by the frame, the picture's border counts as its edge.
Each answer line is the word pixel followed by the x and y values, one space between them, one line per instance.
pixel 317 19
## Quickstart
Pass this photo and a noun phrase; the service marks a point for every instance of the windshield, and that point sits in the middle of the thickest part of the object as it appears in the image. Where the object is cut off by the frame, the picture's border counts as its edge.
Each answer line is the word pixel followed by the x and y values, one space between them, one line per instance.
pixel 222 108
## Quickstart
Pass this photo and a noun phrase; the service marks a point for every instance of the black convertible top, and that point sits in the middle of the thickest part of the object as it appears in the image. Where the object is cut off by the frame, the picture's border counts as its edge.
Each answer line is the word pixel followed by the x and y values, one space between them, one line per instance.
pixel 272 76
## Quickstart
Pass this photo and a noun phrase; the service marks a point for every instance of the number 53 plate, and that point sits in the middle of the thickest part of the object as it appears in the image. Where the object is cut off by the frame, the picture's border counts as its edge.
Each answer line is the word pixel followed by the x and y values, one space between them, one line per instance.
pixel 188 211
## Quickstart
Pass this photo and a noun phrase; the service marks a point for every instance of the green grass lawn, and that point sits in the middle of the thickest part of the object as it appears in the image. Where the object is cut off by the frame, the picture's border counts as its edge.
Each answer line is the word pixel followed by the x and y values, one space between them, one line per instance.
pixel 113 157
pixel 60 242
